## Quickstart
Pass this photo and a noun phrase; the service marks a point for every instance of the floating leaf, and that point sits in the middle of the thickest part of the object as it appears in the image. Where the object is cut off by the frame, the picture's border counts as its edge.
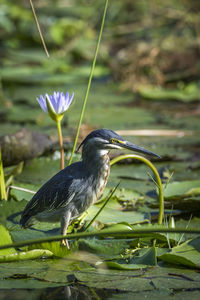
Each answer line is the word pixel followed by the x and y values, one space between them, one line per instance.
pixel 111 215
pixel 118 266
pixel 55 248
pixel 11 210
pixel 187 254
pixel 10 254
pixel 33 254
pixel 184 195
pixel 5 238
pixel 107 249
pixel 189 93
pixel 182 189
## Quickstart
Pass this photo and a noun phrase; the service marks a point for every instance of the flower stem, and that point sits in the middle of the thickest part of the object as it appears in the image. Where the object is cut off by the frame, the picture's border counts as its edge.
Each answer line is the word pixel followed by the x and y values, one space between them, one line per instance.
pixel 60 138
pixel 89 82
pixel 158 180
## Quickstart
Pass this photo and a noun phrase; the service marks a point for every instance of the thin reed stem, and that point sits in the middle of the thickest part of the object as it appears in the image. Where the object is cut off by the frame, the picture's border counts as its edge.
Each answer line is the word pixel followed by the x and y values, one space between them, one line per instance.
pixel 89 82
pixel 38 27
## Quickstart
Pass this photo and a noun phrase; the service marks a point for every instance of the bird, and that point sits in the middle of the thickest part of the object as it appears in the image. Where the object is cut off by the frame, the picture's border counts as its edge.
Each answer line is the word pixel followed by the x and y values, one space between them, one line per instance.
pixel 70 192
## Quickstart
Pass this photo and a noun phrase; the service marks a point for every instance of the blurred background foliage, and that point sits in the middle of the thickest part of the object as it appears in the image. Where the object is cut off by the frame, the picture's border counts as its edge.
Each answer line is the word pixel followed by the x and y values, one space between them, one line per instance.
pixel 144 42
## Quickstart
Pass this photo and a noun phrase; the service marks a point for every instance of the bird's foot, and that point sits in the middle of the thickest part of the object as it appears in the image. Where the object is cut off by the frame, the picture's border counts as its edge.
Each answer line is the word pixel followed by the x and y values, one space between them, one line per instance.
pixel 65 243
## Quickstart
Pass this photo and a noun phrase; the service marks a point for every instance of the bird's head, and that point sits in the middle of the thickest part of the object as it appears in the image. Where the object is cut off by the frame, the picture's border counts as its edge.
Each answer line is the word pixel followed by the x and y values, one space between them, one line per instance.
pixel 102 140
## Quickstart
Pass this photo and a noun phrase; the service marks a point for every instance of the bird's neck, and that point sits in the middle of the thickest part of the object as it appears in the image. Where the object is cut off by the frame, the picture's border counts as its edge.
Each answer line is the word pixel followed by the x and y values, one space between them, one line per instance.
pixel 96 161
pixel 98 168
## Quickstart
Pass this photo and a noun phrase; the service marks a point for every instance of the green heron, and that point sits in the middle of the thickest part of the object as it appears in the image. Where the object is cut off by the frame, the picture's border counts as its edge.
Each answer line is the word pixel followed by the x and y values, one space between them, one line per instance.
pixel 71 191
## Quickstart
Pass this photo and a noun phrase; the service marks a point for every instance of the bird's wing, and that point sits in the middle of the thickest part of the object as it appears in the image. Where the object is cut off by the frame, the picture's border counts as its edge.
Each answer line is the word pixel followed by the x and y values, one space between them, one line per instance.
pixel 54 194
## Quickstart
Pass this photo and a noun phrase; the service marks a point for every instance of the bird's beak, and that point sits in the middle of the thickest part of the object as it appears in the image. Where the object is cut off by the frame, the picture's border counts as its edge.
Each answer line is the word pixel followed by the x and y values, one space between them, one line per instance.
pixel 133 147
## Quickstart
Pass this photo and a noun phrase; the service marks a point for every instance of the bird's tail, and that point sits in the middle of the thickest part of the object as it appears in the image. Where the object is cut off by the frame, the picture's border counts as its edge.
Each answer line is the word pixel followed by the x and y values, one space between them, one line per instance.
pixel 26 221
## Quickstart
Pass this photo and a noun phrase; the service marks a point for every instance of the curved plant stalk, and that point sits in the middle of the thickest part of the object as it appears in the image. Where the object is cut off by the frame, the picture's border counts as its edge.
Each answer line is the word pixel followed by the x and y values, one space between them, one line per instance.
pixel 158 180
pixel 89 82
pixel 102 207
pixel 38 27
pixel 103 233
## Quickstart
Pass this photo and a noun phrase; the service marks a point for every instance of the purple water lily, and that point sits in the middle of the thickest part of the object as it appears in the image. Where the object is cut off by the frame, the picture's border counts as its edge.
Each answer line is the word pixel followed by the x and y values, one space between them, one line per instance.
pixel 55 105
pixel 60 102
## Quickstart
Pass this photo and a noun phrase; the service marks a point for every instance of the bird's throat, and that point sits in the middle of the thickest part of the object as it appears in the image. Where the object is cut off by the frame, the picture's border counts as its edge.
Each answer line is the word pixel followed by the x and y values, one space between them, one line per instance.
pixel 98 165
pixel 103 175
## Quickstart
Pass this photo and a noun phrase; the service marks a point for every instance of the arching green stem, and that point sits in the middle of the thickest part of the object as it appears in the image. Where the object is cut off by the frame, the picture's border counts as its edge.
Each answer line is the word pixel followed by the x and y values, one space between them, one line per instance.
pixel 60 138
pixel 157 177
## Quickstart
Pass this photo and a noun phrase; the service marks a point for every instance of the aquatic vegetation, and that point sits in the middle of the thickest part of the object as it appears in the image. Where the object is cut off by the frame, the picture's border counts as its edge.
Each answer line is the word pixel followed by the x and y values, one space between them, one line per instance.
pixel 56 105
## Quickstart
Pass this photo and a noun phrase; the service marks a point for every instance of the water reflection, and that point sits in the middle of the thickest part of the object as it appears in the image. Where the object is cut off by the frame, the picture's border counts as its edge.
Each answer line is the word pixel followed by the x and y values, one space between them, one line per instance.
pixel 72 292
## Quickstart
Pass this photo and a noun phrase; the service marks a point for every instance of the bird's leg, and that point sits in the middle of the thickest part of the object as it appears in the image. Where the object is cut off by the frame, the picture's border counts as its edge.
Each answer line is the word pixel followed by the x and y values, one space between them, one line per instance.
pixel 64 225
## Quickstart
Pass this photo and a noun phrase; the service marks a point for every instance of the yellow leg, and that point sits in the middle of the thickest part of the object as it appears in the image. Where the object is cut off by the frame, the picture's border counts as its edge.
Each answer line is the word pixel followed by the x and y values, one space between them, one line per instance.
pixel 64 225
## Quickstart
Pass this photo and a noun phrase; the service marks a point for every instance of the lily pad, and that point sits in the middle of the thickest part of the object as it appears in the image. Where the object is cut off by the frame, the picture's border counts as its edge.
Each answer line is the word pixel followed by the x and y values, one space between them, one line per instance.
pixel 189 93
pixel 187 254
pixel 182 189
pixel 110 215
pixel 10 211
pixel 184 195
pixel 146 258
pixel 106 249
pixel 28 255
pixel 5 238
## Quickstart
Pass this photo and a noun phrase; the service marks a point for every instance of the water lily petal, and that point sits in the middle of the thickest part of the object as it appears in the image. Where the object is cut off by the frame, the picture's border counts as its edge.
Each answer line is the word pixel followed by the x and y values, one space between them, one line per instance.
pixel 42 103
pixel 60 102
pixel 54 101
pixel 66 101
pixel 70 99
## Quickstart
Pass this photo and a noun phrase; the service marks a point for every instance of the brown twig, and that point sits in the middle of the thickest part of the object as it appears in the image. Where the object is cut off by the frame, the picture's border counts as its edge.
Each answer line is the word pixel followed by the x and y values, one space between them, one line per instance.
pixel 38 27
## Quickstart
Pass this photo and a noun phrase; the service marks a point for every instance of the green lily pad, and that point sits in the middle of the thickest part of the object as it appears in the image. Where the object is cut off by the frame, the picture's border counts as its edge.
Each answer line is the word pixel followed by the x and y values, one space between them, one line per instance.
pixel 25 193
pixel 112 279
pixel 184 195
pixel 182 189
pixel 117 266
pixel 110 215
pixel 146 258
pixel 5 238
pixel 106 249
pixel 27 283
pixel 10 254
pixel 189 93
pixel 28 255
pixel 11 209
pixel 187 254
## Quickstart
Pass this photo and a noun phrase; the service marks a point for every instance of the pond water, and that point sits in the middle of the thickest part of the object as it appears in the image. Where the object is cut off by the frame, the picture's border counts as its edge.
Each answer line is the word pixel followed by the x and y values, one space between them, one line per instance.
pixel 136 201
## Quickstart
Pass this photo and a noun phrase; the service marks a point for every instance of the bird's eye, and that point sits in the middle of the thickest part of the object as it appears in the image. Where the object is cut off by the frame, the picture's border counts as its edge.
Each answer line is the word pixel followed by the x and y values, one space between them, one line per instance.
pixel 113 140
